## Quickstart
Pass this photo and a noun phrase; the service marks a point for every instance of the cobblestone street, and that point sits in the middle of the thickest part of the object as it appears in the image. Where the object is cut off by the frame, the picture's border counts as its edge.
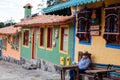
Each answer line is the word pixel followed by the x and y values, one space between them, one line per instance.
pixel 11 71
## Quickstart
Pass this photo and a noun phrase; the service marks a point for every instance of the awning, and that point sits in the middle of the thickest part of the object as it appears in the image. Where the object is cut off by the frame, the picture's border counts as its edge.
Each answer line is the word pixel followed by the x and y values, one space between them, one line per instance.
pixel 67 5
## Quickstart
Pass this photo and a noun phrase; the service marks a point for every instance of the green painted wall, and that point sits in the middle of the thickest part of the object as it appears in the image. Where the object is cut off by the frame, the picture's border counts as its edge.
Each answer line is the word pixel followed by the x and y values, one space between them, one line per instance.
pixel 54 55
pixel 49 55
pixel 26 52
pixel 27 12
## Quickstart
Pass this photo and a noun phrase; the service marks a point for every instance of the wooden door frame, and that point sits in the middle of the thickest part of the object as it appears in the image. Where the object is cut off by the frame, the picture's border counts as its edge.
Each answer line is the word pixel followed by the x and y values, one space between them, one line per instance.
pixel 33 43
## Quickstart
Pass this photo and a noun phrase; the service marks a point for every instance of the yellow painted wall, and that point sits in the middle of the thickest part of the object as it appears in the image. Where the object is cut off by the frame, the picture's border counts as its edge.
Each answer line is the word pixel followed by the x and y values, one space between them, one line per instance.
pixel 100 54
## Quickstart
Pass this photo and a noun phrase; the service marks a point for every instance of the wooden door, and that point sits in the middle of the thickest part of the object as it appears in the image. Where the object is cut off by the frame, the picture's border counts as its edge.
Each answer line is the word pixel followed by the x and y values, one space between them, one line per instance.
pixel 34 44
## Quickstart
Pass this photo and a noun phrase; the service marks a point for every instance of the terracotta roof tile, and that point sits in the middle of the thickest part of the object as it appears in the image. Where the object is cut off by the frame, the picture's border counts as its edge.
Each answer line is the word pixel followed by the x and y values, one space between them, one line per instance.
pixel 9 30
pixel 43 20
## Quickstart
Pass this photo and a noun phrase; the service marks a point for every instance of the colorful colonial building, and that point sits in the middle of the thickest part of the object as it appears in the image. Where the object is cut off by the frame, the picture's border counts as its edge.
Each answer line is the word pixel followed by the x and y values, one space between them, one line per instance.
pixel 47 38
pixel 10 43
pixel 97 29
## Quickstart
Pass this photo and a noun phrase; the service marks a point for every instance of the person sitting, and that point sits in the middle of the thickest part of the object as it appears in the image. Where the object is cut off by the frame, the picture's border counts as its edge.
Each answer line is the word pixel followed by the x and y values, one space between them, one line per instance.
pixel 83 65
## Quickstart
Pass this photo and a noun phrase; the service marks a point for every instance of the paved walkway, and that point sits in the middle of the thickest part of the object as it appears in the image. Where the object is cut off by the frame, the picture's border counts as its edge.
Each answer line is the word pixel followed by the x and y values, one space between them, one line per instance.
pixel 11 71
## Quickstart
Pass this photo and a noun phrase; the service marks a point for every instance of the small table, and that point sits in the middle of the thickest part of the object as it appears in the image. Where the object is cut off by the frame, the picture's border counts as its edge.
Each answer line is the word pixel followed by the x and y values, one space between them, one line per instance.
pixel 99 73
pixel 64 68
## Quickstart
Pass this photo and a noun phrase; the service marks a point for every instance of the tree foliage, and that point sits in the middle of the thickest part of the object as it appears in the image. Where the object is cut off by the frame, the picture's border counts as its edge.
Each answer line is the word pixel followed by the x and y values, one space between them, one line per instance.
pixel 48 3
pixel 52 2
pixel 2 24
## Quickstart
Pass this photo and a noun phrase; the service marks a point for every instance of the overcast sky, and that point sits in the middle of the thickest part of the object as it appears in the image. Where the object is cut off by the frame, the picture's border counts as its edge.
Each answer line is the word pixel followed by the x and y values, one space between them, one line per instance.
pixel 14 9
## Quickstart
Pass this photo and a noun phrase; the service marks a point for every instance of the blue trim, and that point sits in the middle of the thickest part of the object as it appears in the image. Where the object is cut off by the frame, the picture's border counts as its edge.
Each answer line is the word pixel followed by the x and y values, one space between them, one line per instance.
pixel 100 65
pixel 117 75
pixel 74 40
pixel 113 46
pixel 67 5
pixel 116 67
pixel 104 65
pixel 86 43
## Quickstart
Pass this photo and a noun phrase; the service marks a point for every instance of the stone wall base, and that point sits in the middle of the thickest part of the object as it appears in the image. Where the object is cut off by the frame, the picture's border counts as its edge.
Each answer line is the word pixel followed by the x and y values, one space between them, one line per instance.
pixel 48 66
pixel 10 59
pixel 42 64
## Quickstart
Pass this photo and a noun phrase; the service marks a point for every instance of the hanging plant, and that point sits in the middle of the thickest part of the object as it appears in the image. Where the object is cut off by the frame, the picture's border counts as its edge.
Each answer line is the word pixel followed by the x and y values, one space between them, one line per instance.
pixel 15 47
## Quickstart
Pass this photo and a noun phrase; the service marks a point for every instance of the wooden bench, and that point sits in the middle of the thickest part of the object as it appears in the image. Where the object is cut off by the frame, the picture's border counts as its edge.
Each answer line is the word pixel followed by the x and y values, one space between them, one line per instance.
pixel 80 53
pixel 99 74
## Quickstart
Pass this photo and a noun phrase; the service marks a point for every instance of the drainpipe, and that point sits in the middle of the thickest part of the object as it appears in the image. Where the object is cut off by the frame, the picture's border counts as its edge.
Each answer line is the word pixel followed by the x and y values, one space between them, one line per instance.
pixel 74 40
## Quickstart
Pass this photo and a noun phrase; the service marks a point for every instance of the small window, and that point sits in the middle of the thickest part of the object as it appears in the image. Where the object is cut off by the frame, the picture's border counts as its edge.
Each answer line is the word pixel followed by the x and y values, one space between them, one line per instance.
pixel 49 37
pixel 83 30
pixel 4 43
pixel 83 33
pixel 42 37
pixel 64 39
pixel 15 40
pixel 112 26
pixel 26 37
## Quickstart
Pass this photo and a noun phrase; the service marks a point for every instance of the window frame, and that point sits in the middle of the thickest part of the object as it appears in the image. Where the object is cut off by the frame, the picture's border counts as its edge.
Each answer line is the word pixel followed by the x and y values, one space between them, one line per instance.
pixel 41 46
pixel 84 34
pixel 4 44
pixel 110 31
pixel 65 27
pixel 15 45
pixel 16 38
pixel 28 37
pixel 49 48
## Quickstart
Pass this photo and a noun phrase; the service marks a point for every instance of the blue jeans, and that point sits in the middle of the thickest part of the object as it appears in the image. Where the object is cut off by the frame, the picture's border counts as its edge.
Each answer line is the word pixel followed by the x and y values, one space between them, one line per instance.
pixel 72 73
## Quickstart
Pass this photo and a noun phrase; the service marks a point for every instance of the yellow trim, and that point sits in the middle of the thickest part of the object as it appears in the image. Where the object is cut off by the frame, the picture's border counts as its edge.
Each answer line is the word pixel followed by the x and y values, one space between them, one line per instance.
pixel 42 47
pixel 50 49
pixel 63 26
pixel 23 39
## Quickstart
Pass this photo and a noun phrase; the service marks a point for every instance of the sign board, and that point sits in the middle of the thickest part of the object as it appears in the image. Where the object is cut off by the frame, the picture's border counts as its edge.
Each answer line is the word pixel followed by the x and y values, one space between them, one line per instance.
pixel 95 27
pixel 95 30
pixel 95 33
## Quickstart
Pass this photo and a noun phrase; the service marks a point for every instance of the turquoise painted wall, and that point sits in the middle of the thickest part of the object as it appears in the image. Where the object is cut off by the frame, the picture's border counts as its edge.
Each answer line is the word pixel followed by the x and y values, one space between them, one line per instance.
pixel 54 55
pixel 26 52
pixel 49 55
pixel 27 12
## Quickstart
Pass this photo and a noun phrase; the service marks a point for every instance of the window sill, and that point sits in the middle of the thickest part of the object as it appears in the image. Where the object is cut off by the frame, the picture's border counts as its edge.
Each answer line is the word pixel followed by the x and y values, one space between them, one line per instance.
pixel 82 32
pixel 111 33
pixel 25 46
pixel 41 47
pixel 84 43
pixel 113 46
pixel 63 52
pixel 49 49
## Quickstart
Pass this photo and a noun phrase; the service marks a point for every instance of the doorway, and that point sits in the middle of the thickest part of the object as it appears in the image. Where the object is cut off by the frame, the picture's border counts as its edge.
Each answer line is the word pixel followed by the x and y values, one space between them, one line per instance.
pixel 34 43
